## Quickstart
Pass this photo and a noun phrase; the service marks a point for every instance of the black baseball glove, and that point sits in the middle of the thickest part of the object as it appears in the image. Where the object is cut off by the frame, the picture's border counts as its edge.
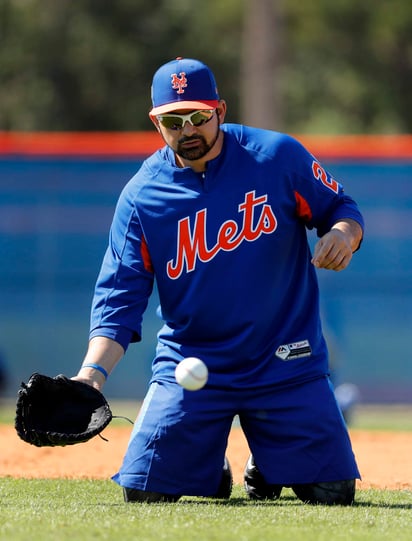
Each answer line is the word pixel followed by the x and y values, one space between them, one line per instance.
pixel 59 411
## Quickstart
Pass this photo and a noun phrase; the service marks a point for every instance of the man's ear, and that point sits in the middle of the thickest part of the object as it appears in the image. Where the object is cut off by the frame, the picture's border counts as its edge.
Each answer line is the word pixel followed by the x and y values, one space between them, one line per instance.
pixel 221 111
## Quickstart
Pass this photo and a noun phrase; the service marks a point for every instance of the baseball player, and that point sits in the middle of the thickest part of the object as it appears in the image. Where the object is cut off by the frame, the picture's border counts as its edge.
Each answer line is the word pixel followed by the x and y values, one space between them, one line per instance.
pixel 218 217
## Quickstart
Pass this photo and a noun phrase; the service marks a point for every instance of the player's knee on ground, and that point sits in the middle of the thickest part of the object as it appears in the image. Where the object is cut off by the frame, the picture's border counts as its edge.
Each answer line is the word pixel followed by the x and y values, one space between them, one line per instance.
pixel 224 490
pixel 333 493
pixel 255 484
pixel 135 495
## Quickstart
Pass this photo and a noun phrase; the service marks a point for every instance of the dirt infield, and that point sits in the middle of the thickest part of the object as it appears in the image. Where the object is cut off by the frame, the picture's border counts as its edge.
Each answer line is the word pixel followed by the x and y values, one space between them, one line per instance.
pixel 384 458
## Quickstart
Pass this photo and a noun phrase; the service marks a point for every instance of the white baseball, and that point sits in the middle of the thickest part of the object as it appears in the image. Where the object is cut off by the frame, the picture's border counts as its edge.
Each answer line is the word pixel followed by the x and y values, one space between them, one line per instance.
pixel 191 373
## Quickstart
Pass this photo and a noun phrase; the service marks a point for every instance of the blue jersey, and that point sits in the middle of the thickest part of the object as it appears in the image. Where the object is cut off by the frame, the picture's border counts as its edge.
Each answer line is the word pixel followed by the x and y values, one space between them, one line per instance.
pixel 228 249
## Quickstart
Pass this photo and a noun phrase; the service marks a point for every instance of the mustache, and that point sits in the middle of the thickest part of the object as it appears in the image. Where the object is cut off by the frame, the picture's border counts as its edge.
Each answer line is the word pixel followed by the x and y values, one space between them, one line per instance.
pixel 187 139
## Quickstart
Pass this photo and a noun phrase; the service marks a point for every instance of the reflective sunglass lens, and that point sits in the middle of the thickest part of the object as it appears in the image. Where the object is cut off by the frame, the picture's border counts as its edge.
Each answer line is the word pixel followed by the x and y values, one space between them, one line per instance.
pixel 176 122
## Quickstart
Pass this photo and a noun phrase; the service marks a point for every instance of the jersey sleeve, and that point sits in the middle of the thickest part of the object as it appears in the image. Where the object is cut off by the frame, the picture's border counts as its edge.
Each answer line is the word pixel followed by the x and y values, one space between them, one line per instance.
pixel 125 280
pixel 320 199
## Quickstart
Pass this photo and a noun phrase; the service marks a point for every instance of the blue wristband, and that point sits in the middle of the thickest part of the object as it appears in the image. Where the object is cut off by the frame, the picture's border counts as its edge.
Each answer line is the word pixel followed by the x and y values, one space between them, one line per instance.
pixel 97 367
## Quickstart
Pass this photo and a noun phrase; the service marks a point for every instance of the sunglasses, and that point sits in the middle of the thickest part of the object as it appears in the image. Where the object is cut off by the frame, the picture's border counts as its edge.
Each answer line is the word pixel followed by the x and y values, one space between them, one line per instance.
pixel 173 121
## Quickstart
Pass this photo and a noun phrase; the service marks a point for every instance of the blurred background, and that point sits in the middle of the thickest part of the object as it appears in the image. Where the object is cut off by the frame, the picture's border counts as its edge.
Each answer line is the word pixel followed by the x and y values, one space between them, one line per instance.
pixel 337 75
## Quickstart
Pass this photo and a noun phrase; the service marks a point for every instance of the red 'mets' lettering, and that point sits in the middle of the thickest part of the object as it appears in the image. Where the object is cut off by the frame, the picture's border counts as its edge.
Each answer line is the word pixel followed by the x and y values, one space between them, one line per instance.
pixel 192 244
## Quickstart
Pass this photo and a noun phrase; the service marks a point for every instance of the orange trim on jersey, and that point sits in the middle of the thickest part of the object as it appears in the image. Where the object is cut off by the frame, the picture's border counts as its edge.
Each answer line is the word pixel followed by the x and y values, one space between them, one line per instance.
pixel 142 144
pixel 303 209
pixel 147 261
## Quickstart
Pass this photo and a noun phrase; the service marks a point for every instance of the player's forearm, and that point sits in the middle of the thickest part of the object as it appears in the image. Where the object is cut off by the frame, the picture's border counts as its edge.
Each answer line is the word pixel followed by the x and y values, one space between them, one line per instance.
pixel 352 230
pixel 334 250
pixel 104 353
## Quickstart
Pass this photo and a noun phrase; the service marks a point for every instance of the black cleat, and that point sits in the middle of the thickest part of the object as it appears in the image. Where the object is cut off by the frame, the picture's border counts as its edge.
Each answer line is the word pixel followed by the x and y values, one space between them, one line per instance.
pixel 255 484
pixel 135 495
pixel 332 493
pixel 226 483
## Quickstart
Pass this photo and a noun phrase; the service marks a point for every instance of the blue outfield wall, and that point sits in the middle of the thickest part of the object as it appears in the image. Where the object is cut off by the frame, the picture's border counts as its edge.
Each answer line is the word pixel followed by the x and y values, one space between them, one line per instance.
pixel 55 215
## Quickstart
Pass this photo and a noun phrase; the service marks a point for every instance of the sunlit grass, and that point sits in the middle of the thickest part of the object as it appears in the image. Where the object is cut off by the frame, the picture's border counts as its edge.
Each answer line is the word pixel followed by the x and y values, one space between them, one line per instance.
pixel 82 510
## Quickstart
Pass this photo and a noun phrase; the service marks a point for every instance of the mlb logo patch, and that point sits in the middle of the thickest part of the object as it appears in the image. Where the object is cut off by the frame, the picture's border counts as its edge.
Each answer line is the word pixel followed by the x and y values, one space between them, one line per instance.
pixel 287 352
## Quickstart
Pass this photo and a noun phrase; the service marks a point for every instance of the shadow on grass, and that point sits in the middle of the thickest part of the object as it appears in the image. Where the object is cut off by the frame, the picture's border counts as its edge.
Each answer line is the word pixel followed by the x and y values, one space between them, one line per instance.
pixel 285 501
pixel 383 505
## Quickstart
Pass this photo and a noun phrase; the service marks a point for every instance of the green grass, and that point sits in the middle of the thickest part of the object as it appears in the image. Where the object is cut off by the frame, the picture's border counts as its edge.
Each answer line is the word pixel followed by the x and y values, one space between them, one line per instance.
pixel 70 510
pixel 383 417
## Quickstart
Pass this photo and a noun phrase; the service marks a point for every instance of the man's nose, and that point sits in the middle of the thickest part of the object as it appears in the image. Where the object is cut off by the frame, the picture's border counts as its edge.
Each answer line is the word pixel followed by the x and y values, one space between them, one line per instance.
pixel 188 129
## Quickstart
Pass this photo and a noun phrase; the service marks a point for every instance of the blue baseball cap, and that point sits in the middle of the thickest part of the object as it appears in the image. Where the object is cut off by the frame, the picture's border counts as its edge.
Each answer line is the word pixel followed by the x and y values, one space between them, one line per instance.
pixel 183 83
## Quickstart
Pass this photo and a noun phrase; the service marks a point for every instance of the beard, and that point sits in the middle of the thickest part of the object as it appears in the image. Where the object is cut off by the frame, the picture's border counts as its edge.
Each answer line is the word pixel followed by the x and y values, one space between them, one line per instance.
pixel 198 152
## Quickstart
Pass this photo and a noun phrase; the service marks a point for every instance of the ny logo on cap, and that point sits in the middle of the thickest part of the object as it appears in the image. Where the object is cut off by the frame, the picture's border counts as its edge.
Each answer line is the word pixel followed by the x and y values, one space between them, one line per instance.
pixel 179 83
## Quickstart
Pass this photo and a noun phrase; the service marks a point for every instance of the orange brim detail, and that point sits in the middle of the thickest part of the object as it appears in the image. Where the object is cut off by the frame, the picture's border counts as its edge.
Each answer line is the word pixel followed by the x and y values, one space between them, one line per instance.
pixel 182 105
